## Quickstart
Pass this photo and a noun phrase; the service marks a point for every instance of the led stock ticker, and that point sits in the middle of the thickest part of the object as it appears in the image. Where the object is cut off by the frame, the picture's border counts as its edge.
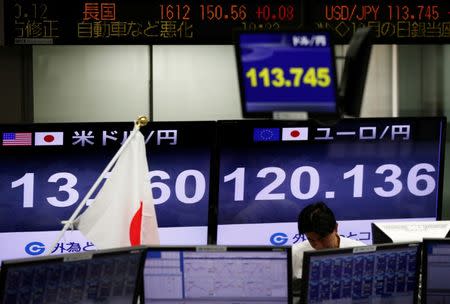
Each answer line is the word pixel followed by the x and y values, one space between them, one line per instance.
pixel 395 21
pixel 144 22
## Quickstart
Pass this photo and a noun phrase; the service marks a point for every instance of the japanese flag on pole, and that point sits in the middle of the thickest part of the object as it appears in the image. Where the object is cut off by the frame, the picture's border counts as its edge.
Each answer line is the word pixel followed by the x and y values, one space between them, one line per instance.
pixel 122 214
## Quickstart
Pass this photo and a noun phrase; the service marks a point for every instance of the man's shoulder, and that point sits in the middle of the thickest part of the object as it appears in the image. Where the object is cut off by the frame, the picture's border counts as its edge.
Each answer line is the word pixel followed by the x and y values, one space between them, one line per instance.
pixel 305 245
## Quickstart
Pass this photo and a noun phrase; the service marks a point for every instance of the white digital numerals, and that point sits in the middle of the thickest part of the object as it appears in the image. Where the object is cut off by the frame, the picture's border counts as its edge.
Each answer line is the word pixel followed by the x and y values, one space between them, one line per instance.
pixel 305 180
pixel 67 185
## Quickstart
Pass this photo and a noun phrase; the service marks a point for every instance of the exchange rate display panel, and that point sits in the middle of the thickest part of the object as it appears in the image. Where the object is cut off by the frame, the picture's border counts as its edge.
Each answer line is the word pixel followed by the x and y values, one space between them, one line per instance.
pixel 364 169
pixel 47 169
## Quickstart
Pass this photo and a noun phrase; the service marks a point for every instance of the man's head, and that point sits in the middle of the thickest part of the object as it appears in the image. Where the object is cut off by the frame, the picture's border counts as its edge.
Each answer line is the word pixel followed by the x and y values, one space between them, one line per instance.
pixel 318 224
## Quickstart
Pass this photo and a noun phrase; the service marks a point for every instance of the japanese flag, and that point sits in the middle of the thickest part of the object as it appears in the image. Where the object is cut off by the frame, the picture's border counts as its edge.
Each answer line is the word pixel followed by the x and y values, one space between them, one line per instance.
pixel 122 214
pixel 294 134
pixel 48 138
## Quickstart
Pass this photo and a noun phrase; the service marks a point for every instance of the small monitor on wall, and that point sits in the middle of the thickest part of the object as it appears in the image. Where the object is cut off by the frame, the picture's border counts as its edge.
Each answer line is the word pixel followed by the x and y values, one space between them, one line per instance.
pixel 286 72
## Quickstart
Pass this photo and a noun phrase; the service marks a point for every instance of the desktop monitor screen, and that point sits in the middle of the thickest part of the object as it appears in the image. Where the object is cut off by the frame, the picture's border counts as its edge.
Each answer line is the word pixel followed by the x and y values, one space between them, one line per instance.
pixel 110 276
pixel 436 270
pixel 286 71
pixel 363 169
pixel 217 275
pixel 372 274
pixel 47 169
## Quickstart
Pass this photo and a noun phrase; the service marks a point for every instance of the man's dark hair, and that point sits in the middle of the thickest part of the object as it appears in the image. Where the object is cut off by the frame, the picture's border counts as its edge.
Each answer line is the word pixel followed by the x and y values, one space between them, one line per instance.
pixel 316 218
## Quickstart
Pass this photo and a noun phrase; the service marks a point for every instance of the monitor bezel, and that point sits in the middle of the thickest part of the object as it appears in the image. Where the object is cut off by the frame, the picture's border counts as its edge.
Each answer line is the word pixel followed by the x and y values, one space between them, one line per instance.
pixel 215 248
pixel 426 243
pixel 363 250
pixel 68 257
pixel 241 80
pixel 214 216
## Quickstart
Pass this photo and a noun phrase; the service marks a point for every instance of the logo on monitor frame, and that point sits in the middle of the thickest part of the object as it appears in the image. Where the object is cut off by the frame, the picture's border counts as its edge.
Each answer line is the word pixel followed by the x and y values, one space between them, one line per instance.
pixel 35 248
pixel 279 239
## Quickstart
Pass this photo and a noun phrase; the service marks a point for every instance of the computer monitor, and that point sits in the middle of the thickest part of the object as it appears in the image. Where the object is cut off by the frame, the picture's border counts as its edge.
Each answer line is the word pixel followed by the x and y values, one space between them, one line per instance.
pixel 254 275
pixel 47 169
pixel 356 65
pixel 374 274
pixel 435 271
pixel 286 72
pixel 409 231
pixel 108 276
pixel 364 169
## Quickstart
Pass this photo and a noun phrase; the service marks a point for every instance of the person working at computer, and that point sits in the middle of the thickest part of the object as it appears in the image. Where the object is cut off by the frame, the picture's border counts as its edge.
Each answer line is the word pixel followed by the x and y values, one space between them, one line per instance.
pixel 318 223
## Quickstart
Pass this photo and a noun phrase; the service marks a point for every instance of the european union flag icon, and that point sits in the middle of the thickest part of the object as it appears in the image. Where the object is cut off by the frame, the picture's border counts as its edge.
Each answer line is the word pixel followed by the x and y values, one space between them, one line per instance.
pixel 266 134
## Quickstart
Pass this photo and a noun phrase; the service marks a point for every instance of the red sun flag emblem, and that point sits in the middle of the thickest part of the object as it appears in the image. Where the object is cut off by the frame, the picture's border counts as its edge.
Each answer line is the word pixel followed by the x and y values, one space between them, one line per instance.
pixel 49 138
pixel 295 133
pixel 135 227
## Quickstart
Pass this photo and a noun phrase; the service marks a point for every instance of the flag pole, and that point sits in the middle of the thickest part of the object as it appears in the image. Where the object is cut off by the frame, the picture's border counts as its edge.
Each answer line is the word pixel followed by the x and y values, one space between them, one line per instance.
pixel 140 122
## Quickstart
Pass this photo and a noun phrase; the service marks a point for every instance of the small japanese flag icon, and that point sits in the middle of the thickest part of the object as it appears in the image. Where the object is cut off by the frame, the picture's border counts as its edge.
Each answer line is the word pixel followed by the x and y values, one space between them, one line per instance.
pixel 294 134
pixel 48 138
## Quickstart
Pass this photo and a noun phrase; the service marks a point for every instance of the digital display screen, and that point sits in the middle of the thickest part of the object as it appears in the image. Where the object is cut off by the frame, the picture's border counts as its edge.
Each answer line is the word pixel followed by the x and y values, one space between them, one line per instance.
pixel 363 169
pixel 101 278
pixel 392 22
pixel 143 22
pixel 47 169
pixel 235 275
pixel 375 274
pixel 286 72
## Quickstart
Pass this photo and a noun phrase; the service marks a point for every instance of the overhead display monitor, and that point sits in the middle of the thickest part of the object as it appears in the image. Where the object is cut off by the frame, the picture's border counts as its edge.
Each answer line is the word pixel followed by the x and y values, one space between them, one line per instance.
pixel 286 71
pixel 435 270
pixel 367 169
pixel 375 274
pixel 101 277
pixel 192 275
pixel 47 169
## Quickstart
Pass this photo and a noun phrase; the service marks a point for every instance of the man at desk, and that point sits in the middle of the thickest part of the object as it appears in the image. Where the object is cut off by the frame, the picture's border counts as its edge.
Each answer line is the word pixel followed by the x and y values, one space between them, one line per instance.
pixel 318 223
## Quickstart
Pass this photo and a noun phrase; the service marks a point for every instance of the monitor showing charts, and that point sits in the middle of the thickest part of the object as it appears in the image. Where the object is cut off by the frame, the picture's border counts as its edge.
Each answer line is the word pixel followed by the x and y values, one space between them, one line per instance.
pixel 108 276
pixel 286 71
pixel 374 274
pixel 365 170
pixel 47 169
pixel 217 275
pixel 436 270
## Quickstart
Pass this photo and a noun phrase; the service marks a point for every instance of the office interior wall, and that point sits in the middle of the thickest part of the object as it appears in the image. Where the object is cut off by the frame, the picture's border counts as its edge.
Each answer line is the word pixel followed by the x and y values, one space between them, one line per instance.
pixel 90 83
pixel 195 83
pixel 424 75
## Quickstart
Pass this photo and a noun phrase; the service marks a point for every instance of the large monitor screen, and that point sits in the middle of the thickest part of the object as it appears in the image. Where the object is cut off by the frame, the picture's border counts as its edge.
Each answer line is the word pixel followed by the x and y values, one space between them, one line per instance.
pixel 436 270
pixel 374 274
pixel 47 169
pixel 217 275
pixel 363 169
pixel 286 71
pixel 102 277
